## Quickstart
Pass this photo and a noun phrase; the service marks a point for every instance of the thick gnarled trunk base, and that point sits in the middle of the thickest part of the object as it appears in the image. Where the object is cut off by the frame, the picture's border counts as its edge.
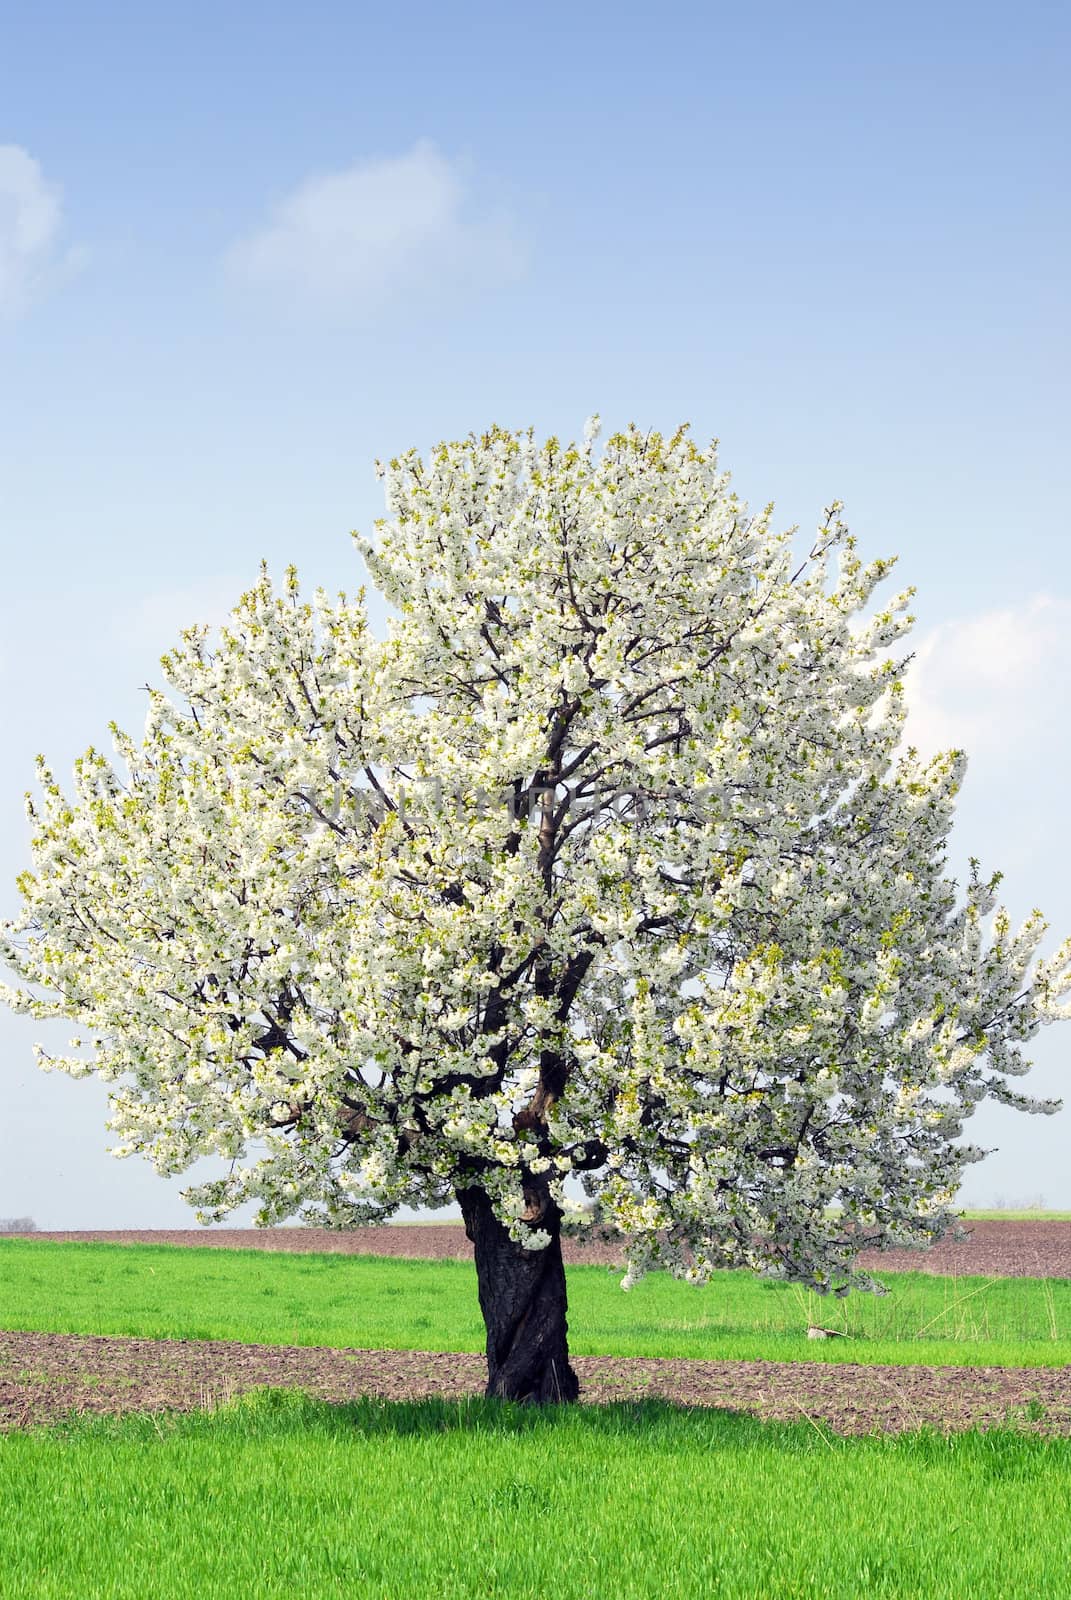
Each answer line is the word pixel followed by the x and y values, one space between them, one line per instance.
pixel 522 1297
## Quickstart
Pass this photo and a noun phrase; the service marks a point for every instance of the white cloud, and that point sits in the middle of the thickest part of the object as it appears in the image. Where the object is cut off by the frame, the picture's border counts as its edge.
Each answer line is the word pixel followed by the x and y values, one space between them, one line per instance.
pixel 31 220
pixel 993 684
pixel 351 241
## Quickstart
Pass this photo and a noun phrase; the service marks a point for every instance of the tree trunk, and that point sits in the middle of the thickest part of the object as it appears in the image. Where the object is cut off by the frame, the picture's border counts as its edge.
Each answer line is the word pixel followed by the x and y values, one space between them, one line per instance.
pixel 522 1297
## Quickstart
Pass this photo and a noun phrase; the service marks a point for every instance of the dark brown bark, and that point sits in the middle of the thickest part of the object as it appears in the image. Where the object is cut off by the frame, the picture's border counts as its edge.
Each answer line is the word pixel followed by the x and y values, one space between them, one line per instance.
pixel 523 1300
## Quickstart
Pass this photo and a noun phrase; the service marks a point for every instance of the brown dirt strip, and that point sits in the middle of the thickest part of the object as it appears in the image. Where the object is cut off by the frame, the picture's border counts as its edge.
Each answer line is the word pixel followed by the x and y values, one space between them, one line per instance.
pixel 1013 1249
pixel 45 1377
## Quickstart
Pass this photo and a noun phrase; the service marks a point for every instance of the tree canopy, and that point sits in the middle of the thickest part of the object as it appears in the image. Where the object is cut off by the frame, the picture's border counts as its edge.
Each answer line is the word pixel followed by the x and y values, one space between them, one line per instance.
pixel 606 873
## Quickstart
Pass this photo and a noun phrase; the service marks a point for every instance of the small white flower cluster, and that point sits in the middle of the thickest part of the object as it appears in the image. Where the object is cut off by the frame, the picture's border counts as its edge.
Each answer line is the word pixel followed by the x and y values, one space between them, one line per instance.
pixel 724 1019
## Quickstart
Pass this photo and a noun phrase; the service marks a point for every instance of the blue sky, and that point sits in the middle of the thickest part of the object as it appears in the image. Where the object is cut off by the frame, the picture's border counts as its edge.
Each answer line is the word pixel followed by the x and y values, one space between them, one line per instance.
pixel 243 253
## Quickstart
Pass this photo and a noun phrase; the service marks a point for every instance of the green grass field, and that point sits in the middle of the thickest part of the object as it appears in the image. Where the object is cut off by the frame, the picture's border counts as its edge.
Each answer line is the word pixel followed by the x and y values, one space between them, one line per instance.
pixel 1023 1214
pixel 368 1302
pixel 280 1496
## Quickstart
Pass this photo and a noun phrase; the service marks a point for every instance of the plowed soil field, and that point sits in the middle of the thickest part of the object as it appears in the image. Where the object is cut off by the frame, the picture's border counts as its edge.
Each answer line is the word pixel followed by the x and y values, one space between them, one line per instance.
pixel 44 1377
pixel 992 1249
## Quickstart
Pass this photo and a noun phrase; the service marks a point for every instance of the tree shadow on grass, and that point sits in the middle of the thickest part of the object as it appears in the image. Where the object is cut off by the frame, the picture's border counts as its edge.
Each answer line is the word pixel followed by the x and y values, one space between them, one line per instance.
pixel 271 1412
pixel 649 1424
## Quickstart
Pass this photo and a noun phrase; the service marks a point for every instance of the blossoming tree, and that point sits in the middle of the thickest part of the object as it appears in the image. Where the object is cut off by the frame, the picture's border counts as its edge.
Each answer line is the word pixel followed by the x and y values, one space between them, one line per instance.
pixel 604 873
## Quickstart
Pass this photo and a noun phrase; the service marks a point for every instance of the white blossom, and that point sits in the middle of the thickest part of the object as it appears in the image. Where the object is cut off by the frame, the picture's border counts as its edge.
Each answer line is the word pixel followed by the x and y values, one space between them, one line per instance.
pixel 707 959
